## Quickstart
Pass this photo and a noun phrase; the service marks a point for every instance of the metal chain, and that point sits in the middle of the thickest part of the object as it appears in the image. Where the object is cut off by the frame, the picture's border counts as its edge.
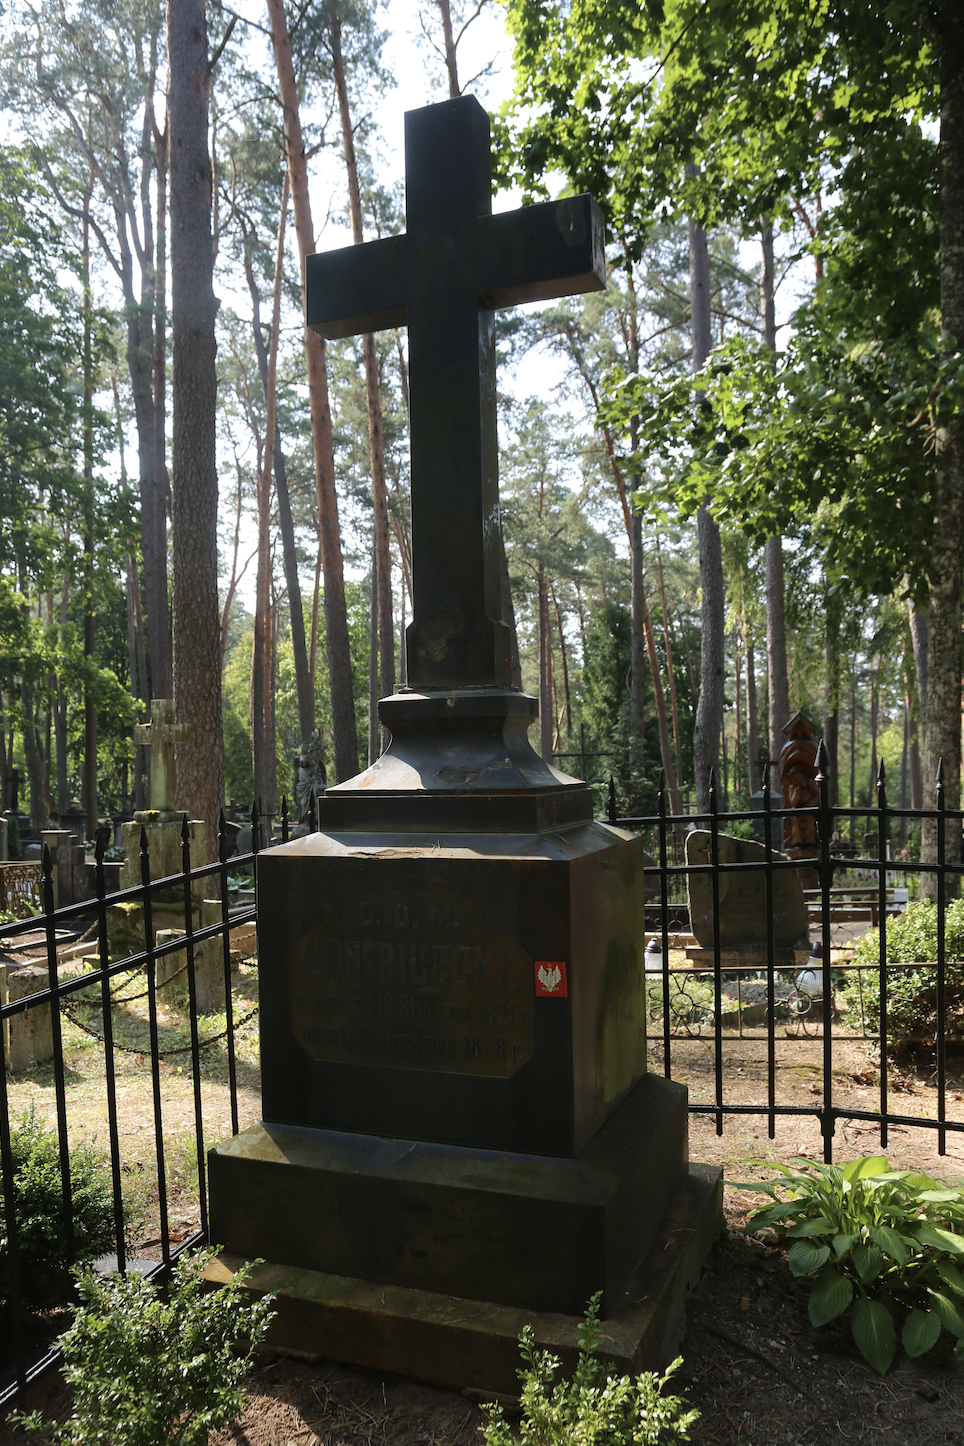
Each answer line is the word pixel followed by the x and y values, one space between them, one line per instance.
pixel 161 1053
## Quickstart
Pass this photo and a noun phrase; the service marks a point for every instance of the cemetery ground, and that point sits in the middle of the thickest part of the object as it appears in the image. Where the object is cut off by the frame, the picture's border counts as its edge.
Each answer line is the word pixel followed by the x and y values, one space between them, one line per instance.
pixel 752 1363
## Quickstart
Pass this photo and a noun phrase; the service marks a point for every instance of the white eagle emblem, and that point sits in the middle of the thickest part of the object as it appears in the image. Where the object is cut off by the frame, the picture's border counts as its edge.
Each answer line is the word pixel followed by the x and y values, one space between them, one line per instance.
pixel 550 978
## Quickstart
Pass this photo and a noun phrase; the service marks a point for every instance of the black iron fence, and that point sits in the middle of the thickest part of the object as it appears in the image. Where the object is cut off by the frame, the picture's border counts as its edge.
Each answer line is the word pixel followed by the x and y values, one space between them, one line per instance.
pixel 803 994
pixel 24 1354
pixel 716 1000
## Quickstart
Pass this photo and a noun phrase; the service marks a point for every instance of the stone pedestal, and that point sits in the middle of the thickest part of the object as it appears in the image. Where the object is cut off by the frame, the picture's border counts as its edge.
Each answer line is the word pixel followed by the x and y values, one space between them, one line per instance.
pixel 60 843
pixel 164 842
pixel 453 1054
pixel 28 1038
pixel 171 970
pixel 126 921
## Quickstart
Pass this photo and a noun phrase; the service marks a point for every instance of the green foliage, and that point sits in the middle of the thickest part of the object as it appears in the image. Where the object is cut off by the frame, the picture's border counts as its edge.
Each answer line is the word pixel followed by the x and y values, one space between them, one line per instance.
pixel 912 993
pixel 595 1408
pixel 147 1371
pixel 888 1245
pixel 38 1202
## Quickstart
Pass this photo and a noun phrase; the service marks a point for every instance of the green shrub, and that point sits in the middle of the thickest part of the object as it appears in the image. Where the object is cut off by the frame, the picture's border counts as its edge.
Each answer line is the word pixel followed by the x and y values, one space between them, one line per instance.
pixel 39 1204
pixel 595 1408
pixel 912 993
pixel 147 1371
pixel 885 1245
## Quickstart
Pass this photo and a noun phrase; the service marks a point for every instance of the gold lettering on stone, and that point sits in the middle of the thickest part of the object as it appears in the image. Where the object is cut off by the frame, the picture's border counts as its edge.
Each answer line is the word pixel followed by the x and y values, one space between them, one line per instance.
pixel 412 982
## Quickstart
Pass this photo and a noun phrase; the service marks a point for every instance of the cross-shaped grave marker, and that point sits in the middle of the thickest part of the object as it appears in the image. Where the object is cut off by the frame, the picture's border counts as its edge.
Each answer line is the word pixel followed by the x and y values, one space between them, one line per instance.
pixel 160 735
pixel 443 278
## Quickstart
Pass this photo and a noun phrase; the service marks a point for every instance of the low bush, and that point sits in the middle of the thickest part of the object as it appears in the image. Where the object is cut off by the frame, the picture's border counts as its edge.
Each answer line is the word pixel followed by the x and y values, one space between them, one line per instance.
pixel 595 1408
pixel 146 1371
pixel 912 993
pixel 885 1245
pixel 39 1205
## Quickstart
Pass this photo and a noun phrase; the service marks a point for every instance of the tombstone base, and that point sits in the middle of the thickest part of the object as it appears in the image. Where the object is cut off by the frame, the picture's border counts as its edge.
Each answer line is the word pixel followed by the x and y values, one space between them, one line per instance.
pixel 752 957
pixel 470 1344
pixel 528 1230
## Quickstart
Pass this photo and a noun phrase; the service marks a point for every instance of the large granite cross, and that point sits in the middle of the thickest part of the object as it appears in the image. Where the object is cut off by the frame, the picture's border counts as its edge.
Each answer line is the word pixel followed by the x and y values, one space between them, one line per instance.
pixel 444 277
pixel 160 735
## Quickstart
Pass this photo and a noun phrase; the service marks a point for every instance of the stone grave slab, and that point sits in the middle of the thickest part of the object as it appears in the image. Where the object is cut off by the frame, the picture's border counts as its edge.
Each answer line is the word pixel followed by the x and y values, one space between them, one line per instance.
pixel 742 898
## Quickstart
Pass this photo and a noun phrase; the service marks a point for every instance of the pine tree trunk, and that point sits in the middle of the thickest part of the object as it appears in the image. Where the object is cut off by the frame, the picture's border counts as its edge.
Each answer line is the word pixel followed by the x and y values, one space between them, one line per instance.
pixel 779 686
pixel 33 758
pixel 451 64
pixel 373 731
pixel 268 371
pixel 942 712
pixel 563 659
pixel 777 680
pixel 666 752
pixel 637 672
pixel 752 755
pixel 376 444
pixel 89 798
pixel 670 673
pixel 831 727
pixel 918 634
pixel 709 708
pixel 508 614
pixel 545 667
pixel 196 616
pixel 60 718
pixel 163 676
pixel 737 701
pixel 336 617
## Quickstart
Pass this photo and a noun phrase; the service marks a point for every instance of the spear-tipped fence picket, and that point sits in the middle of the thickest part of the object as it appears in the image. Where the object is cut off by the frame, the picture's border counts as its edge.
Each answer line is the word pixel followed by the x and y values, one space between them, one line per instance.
pixel 663 832
pixel 666 830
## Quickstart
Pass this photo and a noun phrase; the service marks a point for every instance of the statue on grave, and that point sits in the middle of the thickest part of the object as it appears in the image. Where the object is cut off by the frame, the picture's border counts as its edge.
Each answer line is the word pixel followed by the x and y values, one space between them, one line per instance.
pixel 311 776
pixel 160 735
pixel 798 777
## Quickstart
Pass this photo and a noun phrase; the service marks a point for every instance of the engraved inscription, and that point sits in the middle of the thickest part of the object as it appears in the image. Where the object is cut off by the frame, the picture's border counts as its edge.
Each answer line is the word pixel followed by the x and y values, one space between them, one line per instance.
pixel 412 982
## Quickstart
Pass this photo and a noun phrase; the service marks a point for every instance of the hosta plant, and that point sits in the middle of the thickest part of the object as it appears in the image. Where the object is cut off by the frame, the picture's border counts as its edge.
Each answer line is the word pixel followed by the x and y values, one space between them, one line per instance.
pixel 596 1408
pixel 886 1245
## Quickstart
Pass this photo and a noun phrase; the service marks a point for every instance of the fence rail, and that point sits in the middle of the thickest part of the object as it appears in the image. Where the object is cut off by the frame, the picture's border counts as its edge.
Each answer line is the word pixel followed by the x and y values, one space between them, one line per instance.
pixel 719 994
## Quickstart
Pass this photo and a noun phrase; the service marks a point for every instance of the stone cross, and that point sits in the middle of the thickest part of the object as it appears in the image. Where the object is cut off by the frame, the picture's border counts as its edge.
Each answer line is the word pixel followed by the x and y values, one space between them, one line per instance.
pixel 160 736
pixel 444 278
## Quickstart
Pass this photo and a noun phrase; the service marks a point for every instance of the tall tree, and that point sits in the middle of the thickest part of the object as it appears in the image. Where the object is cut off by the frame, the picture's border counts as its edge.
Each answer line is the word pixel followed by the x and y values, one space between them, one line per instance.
pixel 194 476
pixel 336 618
pixel 709 709
pixel 382 589
pixel 93 73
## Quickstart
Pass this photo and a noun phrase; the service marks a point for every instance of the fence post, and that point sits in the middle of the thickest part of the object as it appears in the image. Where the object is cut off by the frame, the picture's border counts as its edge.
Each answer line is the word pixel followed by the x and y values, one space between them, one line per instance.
pixel 941 951
pixel 771 972
pixel 60 1083
pixel 882 940
pixel 825 829
pixel 664 920
pixel 100 888
pixel 714 860
pixel 192 1010
pixel 226 945
pixel 155 1056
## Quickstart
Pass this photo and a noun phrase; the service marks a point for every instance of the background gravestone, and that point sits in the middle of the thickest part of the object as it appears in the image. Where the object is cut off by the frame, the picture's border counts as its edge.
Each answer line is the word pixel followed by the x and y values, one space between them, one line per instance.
pixel 743 896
